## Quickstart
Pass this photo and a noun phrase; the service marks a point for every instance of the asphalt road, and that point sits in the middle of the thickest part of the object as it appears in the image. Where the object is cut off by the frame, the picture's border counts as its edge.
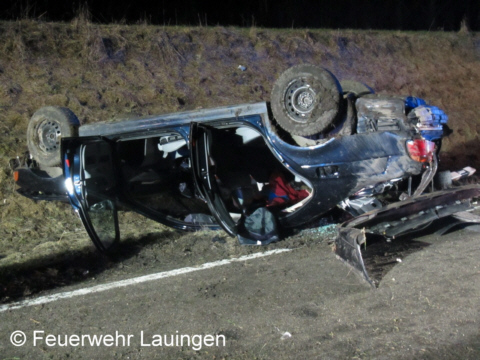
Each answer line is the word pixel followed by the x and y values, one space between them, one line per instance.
pixel 301 304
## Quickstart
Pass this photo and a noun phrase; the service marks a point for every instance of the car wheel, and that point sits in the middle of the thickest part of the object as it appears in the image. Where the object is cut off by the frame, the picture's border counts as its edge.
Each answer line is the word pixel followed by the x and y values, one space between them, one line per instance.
pixel 356 88
pixel 45 130
pixel 306 100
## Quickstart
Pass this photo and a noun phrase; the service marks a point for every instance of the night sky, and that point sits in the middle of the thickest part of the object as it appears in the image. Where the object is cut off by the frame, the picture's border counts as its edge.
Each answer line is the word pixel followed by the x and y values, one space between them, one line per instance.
pixel 355 14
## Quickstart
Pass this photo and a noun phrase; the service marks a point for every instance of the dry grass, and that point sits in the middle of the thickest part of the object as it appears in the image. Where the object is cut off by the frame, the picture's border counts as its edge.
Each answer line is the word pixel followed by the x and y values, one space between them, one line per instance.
pixel 105 71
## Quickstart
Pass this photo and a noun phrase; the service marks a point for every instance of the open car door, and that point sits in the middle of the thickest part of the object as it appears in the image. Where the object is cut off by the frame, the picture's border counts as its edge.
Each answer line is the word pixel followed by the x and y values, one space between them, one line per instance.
pixel 203 166
pixel 90 180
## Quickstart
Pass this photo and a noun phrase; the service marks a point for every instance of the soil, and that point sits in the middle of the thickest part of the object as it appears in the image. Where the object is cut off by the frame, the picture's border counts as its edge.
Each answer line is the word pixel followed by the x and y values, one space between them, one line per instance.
pixel 107 72
pixel 426 305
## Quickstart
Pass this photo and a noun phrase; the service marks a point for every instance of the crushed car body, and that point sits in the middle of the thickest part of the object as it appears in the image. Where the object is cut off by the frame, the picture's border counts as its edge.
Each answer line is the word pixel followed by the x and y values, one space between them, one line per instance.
pixel 256 170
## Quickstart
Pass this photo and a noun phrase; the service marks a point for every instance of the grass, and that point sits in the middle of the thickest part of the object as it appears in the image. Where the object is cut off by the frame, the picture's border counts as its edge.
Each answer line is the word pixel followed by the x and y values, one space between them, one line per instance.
pixel 106 71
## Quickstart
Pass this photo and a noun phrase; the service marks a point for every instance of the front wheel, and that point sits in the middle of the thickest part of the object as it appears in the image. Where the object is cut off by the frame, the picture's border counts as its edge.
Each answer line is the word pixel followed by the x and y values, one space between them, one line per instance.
pixel 45 130
pixel 306 100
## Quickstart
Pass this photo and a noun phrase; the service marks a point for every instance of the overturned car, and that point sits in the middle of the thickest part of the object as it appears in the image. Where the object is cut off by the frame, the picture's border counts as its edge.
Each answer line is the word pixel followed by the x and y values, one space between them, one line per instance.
pixel 255 170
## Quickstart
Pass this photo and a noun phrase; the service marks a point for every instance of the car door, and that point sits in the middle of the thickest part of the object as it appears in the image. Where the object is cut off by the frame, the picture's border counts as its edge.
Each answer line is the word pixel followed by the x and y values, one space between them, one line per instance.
pixel 90 180
pixel 203 166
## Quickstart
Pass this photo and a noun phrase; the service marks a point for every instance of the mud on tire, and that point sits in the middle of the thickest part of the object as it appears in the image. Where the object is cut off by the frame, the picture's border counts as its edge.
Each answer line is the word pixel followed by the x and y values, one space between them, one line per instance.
pixel 306 100
pixel 45 130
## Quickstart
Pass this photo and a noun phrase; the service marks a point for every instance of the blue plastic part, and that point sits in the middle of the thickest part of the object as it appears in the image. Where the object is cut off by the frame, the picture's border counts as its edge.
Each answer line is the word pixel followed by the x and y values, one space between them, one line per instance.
pixel 439 114
pixel 431 117
pixel 412 102
pixel 431 135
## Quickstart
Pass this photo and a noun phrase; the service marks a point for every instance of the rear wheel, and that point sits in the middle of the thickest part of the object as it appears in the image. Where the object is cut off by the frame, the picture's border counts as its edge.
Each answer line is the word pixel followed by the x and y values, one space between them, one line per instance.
pixel 45 130
pixel 306 100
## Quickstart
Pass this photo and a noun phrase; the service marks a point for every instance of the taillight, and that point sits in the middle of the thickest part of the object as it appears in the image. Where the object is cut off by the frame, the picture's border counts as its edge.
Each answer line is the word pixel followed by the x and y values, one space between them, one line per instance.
pixel 16 175
pixel 421 150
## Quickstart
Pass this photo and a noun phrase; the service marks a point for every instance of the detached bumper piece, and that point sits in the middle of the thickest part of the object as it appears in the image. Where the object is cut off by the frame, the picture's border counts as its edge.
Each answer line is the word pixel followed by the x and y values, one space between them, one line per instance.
pixel 402 218
pixel 347 248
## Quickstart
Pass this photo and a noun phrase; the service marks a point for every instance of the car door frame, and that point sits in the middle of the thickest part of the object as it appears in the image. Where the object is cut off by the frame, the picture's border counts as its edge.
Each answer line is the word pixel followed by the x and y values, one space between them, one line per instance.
pixel 70 154
pixel 75 184
pixel 204 177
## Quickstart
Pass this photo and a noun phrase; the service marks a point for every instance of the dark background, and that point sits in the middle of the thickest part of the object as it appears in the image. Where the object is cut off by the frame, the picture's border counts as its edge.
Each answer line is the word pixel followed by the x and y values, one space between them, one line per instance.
pixel 355 14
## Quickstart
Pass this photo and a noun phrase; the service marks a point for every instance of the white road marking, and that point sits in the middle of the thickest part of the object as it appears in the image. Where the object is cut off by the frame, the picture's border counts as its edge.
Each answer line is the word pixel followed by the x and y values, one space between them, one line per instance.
pixel 138 280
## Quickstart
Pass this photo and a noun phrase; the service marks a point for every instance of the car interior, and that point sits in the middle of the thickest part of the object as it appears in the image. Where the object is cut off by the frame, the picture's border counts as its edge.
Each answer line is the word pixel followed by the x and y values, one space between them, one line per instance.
pixel 156 172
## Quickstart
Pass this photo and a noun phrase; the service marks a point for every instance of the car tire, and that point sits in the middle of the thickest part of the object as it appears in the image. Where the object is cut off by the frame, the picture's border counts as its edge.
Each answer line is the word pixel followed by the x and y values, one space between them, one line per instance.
pixel 306 100
pixel 45 130
pixel 356 88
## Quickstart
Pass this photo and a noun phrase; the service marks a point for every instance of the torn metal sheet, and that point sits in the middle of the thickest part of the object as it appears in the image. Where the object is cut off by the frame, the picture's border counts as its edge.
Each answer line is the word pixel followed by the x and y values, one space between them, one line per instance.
pixel 401 218
pixel 347 248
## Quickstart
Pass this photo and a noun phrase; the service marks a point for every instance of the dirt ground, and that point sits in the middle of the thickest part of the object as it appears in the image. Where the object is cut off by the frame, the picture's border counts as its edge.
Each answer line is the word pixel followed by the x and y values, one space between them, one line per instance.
pixel 107 72
pixel 425 307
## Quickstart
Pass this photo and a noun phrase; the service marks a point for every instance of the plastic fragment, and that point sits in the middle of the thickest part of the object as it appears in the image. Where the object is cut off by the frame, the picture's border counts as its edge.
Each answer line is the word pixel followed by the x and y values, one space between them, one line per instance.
pixel 461 174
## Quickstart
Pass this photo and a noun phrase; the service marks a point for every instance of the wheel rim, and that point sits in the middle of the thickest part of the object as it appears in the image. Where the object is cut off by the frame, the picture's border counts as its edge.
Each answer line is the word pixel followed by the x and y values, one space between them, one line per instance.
pixel 49 135
pixel 300 100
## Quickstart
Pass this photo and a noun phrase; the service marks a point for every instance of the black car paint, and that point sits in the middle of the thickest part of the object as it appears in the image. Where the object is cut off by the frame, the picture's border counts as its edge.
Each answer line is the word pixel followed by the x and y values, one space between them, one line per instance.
pixel 360 160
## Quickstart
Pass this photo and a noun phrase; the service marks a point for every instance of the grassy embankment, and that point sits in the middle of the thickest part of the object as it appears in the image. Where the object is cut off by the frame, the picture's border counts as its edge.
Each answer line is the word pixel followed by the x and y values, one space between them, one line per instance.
pixel 105 71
